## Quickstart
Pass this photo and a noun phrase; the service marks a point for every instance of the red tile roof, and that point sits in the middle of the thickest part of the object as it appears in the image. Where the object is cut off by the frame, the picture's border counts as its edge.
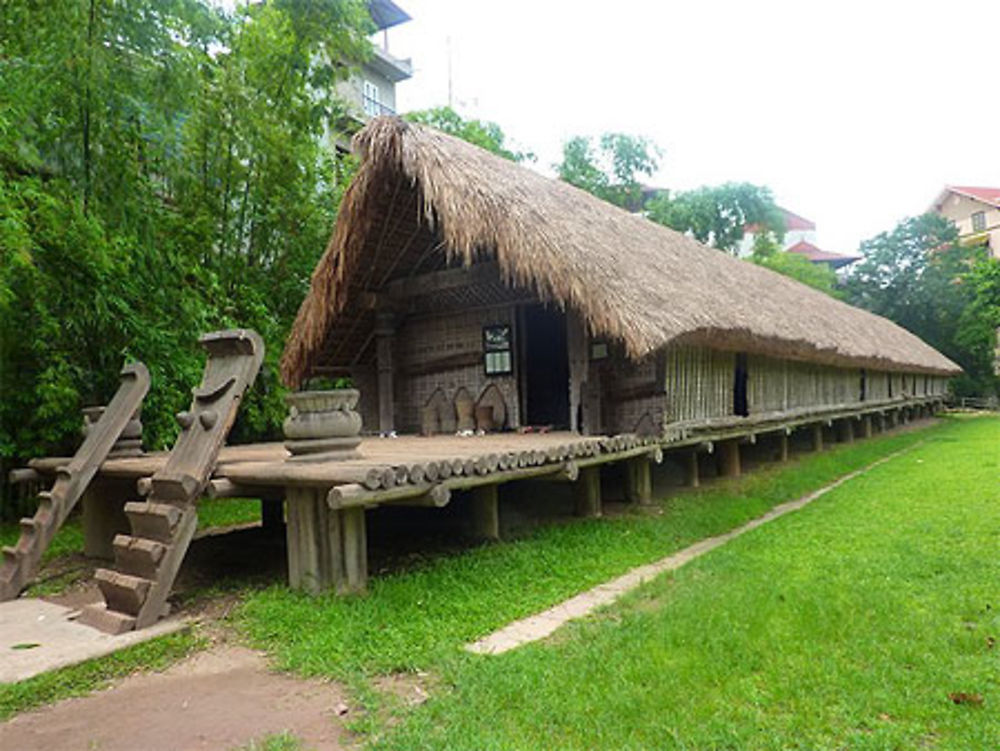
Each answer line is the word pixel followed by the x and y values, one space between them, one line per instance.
pixel 814 254
pixel 986 195
pixel 794 221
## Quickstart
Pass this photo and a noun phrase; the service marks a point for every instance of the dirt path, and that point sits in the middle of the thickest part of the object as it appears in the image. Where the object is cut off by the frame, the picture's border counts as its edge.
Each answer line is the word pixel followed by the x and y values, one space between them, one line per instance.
pixel 218 700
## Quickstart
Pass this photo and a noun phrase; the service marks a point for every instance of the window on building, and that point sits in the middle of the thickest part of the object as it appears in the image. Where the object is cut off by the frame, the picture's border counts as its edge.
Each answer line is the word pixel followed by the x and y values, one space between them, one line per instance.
pixel 863 385
pixel 979 221
pixel 497 348
pixel 741 379
pixel 888 378
pixel 370 100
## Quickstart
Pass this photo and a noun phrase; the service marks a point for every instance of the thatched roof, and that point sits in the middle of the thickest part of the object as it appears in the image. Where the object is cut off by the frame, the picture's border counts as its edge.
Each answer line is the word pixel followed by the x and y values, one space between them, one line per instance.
pixel 420 192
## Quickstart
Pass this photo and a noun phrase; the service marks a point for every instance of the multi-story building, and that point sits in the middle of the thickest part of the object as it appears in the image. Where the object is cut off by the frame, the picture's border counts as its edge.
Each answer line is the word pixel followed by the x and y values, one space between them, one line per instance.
pixel 800 237
pixel 372 90
pixel 976 213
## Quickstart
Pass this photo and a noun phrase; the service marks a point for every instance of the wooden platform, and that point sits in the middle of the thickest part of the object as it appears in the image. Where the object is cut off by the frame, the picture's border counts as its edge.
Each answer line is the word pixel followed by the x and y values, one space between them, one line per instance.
pixel 324 502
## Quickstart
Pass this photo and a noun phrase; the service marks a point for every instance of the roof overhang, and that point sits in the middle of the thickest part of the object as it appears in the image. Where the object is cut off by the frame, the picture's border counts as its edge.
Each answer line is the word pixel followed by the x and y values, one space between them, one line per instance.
pixel 386 14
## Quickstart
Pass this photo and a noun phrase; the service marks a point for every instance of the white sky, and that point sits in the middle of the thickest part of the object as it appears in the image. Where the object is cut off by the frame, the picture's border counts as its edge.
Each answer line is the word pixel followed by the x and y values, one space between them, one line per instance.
pixel 854 113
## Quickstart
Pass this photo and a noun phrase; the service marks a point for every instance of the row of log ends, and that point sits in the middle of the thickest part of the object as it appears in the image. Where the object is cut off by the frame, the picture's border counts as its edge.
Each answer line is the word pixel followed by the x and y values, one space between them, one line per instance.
pixel 434 470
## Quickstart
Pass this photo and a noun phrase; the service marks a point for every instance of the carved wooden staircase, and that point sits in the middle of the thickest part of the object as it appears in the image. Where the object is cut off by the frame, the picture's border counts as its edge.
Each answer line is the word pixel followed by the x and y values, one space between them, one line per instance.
pixel 147 561
pixel 20 563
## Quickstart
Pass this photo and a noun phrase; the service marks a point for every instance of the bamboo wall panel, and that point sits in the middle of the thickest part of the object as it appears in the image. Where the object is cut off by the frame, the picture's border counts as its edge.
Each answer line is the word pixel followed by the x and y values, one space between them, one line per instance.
pixel 422 342
pixel 699 383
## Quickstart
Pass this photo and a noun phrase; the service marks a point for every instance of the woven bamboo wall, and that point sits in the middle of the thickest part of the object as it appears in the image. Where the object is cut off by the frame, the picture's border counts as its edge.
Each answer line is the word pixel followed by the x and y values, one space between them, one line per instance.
pixel 699 383
pixel 634 395
pixel 425 347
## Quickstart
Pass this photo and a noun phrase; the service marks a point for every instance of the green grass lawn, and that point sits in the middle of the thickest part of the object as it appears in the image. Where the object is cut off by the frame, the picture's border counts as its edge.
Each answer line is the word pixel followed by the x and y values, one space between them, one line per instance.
pixel 419 619
pixel 847 625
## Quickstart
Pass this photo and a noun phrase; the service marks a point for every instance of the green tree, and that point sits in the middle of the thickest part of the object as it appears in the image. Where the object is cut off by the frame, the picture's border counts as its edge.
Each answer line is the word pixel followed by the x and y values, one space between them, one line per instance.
pixel 611 170
pixel 483 133
pixel 767 253
pixel 919 276
pixel 720 215
pixel 164 171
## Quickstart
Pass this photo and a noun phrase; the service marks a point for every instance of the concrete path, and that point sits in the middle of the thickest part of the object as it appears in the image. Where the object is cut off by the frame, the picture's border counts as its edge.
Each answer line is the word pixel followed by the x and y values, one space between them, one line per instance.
pixel 541 625
pixel 38 636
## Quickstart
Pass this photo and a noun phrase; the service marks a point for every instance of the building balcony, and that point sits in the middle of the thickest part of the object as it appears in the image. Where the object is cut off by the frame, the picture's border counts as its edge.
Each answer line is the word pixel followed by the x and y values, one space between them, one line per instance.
pixel 373 107
pixel 391 68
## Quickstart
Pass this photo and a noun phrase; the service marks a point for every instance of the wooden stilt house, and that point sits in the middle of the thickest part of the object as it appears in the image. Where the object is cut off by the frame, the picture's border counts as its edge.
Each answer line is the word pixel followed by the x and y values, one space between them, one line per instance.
pixel 461 291
pixel 455 277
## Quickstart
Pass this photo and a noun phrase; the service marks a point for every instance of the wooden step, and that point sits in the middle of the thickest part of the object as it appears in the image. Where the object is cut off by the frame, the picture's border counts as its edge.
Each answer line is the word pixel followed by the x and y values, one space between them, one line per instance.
pixel 122 592
pixel 109 621
pixel 155 521
pixel 29 529
pixel 138 556
pixel 45 501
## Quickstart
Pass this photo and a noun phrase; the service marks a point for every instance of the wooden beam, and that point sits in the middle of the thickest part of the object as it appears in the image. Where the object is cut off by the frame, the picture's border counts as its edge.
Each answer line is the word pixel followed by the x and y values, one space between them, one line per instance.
pixel 783 446
pixel 442 281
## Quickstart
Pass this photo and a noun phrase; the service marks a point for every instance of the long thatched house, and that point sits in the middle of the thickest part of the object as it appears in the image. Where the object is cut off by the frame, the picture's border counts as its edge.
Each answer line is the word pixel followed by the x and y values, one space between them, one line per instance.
pixel 455 277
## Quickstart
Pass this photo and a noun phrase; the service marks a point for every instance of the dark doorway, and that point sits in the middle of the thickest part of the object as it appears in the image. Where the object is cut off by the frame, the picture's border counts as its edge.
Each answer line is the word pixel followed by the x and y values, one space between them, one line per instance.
pixel 544 367
pixel 741 404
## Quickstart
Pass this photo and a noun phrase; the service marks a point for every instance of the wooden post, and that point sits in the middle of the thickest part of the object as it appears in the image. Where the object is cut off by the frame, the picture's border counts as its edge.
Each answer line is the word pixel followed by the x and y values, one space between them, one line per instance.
pixel 729 458
pixel 327 549
pixel 576 346
pixel 866 426
pixel 354 547
pixel 104 516
pixel 384 336
pixel 588 492
pixel 485 514
pixel 817 436
pixel 693 478
pixel 783 446
pixel 639 481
